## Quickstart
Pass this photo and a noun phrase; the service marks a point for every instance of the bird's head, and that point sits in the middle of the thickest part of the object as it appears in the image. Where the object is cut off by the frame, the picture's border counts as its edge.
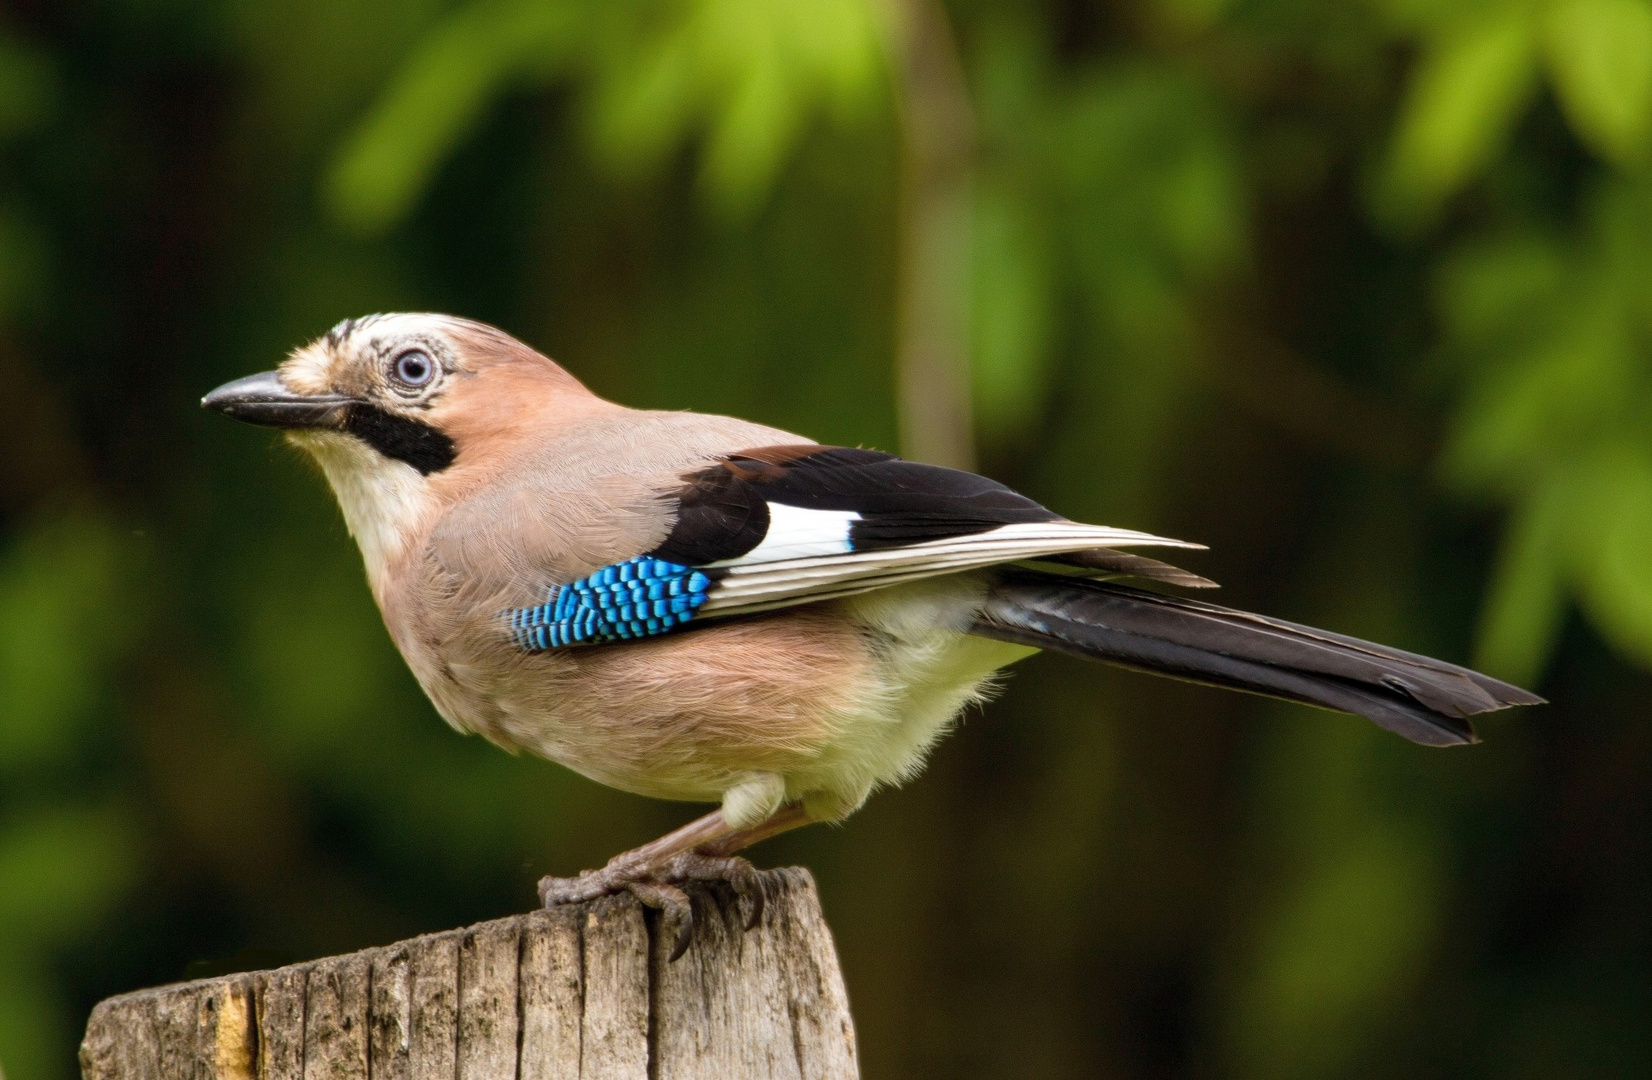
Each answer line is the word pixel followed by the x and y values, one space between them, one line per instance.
pixel 405 412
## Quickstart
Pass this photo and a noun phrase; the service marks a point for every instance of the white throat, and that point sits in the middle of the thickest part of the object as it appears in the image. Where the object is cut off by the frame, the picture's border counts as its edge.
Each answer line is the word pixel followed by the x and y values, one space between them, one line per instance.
pixel 384 501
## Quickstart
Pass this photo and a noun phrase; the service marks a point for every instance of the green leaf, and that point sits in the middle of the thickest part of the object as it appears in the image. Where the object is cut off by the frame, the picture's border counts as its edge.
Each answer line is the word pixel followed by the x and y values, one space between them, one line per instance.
pixel 62 613
pixel 1612 547
pixel 1011 305
pixel 1470 87
pixel 323 626
pixel 1526 604
pixel 1489 290
pixel 1204 207
pixel 24 261
pixel 645 95
pixel 435 99
pixel 27 88
pixel 773 64
pixel 1146 165
pixel 59 869
pixel 35 1024
pixel 752 73
pixel 757 124
pixel 1600 57
pixel 1193 16
pixel 1525 409
pixel 1620 238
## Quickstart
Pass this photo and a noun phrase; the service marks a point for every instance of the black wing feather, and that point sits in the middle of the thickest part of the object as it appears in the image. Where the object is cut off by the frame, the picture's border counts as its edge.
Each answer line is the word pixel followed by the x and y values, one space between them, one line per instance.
pixel 722 510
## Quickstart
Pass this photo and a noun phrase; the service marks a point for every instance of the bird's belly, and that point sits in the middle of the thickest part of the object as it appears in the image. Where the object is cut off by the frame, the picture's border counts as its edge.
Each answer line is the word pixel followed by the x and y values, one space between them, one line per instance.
pixel 837 698
pixel 925 687
pixel 685 716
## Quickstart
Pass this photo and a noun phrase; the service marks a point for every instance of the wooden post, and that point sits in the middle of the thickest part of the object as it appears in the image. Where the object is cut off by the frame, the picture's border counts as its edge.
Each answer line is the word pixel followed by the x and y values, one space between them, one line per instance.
pixel 582 991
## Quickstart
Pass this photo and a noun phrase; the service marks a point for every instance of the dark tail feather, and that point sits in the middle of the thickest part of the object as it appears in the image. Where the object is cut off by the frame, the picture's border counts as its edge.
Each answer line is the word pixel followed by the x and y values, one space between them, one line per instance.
pixel 1127 564
pixel 1425 700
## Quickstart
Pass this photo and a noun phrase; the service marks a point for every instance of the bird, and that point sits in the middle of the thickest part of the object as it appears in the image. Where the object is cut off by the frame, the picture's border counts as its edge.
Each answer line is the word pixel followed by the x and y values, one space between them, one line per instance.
pixel 704 609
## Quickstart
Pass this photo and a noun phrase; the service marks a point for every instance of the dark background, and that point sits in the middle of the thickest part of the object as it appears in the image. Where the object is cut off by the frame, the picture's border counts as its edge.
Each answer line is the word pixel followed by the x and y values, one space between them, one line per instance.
pixel 1356 293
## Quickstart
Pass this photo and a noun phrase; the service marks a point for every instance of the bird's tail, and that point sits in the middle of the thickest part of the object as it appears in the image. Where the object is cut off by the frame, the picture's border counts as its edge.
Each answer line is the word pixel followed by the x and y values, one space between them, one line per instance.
pixel 1427 701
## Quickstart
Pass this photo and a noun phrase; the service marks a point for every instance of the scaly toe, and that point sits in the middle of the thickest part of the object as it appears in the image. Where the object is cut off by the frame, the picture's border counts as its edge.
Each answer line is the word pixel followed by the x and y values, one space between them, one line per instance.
pixel 658 887
pixel 576 890
pixel 741 875
pixel 614 878
pixel 662 895
pixel 555 890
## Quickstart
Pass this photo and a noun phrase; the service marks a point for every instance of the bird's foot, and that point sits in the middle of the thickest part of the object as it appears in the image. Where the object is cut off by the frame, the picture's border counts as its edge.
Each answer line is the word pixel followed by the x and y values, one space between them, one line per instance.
pixel 659 886
pixel 740 875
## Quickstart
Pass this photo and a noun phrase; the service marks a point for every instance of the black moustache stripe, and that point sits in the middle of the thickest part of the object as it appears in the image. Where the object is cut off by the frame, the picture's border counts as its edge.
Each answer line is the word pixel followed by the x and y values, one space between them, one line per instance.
pixel 401 437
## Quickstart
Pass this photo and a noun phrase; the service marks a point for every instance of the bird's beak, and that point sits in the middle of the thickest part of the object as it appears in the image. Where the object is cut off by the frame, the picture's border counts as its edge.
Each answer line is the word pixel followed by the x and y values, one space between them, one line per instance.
pixel 263 399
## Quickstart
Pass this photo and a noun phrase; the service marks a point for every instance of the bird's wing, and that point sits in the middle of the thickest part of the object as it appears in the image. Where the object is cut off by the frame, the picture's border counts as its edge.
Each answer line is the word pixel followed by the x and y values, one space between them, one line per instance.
pixel 779 526
pixel 787 525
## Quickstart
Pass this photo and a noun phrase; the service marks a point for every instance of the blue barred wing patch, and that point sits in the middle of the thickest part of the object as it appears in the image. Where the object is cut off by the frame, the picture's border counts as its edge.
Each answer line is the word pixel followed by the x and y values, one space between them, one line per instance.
pixel 638 598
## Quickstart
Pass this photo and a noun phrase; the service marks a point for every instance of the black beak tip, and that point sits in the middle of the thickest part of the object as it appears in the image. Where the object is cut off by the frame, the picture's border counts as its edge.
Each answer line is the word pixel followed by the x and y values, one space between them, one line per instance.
pixel 264 386
pixel 264 400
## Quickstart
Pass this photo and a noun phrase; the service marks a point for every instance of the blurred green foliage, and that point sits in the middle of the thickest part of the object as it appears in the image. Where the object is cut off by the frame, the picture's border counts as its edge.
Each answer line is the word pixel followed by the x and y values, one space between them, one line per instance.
pixel 1358 293
pixel 747 75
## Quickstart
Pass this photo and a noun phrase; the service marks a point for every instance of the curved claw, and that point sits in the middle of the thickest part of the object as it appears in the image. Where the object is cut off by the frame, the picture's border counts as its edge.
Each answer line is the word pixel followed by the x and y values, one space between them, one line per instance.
pixel 685 933
pixel 740 875
pixel 748 888
pixel 674 907
pixel 755 899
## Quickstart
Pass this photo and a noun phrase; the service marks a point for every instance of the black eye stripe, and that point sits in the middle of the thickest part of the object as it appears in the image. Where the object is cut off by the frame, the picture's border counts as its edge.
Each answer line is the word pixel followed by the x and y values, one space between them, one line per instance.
pixel 401 438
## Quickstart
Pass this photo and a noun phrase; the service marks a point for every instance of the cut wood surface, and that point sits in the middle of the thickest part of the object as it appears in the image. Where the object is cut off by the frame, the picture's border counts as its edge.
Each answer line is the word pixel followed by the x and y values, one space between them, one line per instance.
pixel 580 991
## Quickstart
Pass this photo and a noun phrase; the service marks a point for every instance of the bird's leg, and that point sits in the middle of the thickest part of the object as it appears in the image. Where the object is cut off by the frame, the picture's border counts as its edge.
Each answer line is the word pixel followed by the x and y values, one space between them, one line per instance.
pixel 638 864
pixel 717 861
pixel 788 817
pixel 701 850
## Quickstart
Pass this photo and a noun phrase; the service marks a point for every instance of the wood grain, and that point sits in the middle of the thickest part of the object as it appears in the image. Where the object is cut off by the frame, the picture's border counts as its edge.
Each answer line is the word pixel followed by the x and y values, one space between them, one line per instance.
pixel 583 991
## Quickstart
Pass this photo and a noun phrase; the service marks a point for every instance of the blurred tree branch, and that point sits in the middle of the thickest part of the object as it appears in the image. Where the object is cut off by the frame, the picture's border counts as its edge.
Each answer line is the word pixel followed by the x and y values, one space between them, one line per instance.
pixel 937 180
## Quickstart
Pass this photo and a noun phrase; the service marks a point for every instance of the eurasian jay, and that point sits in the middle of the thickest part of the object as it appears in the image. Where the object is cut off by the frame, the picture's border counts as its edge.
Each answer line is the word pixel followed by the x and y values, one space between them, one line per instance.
pixel 699 608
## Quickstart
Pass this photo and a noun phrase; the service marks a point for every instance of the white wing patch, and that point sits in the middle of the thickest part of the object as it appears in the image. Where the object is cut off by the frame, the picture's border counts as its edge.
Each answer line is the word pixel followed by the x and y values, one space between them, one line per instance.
pixel 797 533
pixel 778 581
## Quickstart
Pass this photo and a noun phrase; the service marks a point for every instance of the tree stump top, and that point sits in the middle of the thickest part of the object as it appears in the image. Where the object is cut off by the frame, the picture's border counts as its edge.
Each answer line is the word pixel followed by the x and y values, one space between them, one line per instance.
pixel 581 991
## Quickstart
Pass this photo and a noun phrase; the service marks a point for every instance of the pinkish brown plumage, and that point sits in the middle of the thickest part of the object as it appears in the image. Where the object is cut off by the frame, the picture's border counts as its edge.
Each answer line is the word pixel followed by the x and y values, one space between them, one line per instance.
pixel 700 608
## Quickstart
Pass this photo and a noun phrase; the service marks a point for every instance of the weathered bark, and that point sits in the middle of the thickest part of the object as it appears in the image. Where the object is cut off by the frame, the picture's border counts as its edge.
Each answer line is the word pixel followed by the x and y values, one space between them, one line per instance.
pixel 582 991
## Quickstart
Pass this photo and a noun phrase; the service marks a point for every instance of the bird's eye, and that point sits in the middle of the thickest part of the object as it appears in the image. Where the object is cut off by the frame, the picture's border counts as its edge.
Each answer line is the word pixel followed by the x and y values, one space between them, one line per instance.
pixel 414 368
